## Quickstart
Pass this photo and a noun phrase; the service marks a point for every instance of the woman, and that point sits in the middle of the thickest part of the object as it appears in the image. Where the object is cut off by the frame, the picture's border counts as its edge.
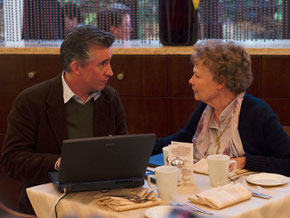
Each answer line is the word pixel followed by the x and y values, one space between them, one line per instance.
pixel 227 120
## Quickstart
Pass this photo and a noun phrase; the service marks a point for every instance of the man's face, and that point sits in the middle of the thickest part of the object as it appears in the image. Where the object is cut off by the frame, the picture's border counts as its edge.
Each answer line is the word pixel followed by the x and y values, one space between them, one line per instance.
pixel 95 75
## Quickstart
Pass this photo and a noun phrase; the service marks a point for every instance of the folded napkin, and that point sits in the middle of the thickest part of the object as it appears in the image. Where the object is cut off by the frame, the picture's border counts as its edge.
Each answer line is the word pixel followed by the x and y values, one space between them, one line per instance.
pixel 201 167
pixel 222 196
pixel 129 201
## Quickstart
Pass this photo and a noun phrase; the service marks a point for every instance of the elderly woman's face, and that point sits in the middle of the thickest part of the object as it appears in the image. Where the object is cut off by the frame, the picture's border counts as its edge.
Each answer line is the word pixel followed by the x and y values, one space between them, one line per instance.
pixel 203 84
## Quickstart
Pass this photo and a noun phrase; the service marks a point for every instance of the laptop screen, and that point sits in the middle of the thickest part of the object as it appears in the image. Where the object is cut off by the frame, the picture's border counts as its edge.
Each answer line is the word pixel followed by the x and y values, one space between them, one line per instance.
pixel 105 158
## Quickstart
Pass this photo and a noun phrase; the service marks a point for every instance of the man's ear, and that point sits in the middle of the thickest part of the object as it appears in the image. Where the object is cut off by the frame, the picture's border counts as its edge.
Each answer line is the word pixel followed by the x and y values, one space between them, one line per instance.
pixel 75 67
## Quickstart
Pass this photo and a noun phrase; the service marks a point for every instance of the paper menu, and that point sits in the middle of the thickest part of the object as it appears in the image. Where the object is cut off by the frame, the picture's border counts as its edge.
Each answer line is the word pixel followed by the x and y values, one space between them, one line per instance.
pixel 183 151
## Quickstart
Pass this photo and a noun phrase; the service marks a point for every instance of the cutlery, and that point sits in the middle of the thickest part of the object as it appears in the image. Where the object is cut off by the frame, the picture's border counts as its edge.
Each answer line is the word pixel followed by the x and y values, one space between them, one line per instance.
pixel 194 208
pixel 260 195
pixel 236 177
pixel 146 197
pixel 134 197
pixel 130 197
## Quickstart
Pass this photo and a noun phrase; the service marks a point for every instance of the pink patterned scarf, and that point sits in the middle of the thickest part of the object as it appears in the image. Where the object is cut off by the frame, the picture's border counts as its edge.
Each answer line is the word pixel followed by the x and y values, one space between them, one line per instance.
pixel 201 137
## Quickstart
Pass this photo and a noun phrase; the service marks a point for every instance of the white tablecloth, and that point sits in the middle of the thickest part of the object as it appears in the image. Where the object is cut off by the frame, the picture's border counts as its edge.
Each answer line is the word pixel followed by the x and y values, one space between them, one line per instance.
pixel 43 197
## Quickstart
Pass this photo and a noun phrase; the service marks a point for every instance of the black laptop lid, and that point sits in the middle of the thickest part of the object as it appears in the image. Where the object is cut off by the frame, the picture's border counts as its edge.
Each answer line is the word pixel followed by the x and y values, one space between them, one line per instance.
pixel 105 158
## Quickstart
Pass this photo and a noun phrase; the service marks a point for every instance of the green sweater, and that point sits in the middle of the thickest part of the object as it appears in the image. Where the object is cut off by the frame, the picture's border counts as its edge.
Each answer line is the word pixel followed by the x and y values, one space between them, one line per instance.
pixel 80 119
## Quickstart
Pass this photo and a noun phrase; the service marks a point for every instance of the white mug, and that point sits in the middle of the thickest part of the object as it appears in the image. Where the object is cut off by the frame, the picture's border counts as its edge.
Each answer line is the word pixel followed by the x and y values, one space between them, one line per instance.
pixel 165 155
pixel 166 182
pixel 218 168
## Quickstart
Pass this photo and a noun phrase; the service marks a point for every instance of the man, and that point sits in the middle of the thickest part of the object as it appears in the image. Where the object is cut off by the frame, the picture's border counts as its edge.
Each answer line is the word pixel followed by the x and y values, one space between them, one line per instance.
pixel 115 18
pixel 71 17
pixel 75 104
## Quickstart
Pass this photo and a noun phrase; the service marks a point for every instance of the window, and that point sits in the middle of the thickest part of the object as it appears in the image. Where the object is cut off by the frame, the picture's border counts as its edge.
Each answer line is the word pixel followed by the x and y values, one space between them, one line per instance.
pixel 36 21
pixel 244 20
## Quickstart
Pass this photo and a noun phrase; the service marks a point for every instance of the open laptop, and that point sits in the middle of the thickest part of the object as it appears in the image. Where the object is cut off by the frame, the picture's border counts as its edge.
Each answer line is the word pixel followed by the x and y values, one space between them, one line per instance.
pixel 103 162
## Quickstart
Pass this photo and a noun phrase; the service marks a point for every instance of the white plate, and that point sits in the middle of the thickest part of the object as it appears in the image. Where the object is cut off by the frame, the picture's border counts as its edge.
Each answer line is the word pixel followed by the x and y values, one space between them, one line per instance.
pixel 267 179
pixel 159 211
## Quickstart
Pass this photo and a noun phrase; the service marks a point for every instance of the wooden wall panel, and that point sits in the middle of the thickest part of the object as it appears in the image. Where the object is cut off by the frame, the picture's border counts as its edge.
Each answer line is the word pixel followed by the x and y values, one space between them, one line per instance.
pixel 255 88
pixel 179 112
pixel 13 78
pixel 155 116
pixel 131 82
pixel 15 70
pixel 179 72
pixel 45 66
pixel 142 75
pixel 146 115
pixel 154 74
pixel 134 111
pixel 276 77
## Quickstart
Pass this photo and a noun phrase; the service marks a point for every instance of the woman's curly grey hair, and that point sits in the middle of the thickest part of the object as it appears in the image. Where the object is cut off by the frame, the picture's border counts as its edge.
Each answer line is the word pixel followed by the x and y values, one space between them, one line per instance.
pixel 227 59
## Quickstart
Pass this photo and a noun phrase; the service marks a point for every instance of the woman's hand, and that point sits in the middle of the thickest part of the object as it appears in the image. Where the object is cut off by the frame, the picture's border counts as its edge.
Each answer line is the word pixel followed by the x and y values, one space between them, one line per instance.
pixel 241 162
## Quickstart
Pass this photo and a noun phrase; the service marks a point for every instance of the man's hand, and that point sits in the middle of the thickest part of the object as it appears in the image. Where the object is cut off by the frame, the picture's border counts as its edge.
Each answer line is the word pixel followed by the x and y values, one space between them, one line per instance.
pixel 57 164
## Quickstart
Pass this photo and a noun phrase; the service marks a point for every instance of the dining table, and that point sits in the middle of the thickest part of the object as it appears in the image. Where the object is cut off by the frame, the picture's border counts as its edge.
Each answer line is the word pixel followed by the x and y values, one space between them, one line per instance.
pixel 44 197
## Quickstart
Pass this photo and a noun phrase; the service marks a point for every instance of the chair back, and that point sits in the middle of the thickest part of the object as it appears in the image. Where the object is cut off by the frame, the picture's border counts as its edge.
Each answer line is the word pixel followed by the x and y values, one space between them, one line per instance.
pixel 6 212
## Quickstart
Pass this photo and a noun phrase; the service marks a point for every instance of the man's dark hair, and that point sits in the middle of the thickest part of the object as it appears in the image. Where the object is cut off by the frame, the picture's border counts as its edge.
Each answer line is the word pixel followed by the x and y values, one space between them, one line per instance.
pixel 78 41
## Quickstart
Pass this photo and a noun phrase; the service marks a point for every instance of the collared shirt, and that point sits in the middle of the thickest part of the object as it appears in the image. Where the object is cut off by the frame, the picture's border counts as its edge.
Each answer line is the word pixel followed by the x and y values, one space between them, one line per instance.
pixel 68 93
pixel 215 130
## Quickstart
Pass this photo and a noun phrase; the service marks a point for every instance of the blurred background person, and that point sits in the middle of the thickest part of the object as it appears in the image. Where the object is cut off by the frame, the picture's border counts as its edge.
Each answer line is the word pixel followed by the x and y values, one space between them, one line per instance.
pixel 71 17
pixel 115 18
pixel 49 20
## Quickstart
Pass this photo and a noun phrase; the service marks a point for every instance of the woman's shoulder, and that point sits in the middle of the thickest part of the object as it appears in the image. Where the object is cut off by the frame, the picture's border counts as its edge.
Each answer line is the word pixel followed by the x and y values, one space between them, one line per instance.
pixel 253 105
pixel 251 101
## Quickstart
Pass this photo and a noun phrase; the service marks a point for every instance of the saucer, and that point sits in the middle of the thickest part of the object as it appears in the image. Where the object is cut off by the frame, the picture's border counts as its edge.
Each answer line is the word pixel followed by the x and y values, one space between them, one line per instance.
pixel 268 179
pixel 159 211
